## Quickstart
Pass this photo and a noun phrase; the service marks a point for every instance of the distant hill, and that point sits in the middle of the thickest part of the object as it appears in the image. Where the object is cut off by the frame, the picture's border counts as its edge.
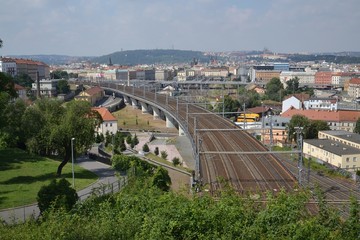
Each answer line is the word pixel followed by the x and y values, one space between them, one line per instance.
pixel 158 56
pixel 340 59
pixel 53 59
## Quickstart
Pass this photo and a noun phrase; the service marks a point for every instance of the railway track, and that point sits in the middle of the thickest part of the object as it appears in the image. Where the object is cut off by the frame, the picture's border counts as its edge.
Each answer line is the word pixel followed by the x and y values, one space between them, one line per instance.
pixel 253 172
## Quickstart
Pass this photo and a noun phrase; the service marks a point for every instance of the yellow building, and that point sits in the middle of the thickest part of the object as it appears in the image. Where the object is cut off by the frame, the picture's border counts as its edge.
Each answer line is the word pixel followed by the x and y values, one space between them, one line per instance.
pixel 92 95
pixel 334 153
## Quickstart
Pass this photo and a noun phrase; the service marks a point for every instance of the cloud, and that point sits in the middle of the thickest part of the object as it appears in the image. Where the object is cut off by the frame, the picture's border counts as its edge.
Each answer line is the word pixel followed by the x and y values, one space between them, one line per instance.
pixel 95 27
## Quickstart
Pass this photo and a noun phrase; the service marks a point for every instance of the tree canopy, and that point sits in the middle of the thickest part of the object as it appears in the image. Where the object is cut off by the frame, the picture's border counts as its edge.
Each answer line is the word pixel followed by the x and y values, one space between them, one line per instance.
pixel 63 86
pixel 357 126
pixel 273 90
pixel 310 128
pixel 53 125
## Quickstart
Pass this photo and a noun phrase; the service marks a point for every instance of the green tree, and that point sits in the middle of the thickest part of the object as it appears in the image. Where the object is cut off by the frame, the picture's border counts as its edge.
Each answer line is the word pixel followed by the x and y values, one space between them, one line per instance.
pixel 298 121
pixel 24 80
pixel 164 154
pixel 7 85
pixel 63 86
pixel 146 148
pixel 176 161
pixel 273 89
pixel 128 139
pixel 156 151
pixel 121 163
pixel 59 74
pixel 56 195
pixel 161 179
pixel 314 128
pixel 50 126
pixel 228 105
pixel 292 86
pixel 357 126
pixel 11 131
pixel 135 140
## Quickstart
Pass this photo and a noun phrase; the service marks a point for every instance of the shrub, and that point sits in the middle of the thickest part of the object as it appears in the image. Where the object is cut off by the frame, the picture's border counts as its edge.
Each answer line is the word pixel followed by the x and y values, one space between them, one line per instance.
pixel 58 194
pixel 135 140
pixel 164 154
pixel 121 163
pixel 176 161
pixel 161 179
pixel 128 139
pixel 156 151
pixel 145 148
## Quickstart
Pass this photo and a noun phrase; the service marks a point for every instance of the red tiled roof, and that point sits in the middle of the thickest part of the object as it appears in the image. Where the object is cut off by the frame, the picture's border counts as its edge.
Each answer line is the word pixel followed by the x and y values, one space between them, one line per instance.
pixel 327 116
pixel 94 90
pixel 354 81
pixel 258 110
pixel 18 87
pixel 104 113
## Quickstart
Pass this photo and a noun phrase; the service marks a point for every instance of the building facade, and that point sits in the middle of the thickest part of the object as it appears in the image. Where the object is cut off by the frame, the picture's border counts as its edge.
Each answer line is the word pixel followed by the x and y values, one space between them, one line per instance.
pixel 109 123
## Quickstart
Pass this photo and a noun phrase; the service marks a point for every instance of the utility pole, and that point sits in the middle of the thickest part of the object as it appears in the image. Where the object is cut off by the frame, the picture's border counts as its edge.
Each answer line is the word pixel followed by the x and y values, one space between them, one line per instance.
pixel 244 115
pixel 271 133
pixel 262 122
pixel 300 157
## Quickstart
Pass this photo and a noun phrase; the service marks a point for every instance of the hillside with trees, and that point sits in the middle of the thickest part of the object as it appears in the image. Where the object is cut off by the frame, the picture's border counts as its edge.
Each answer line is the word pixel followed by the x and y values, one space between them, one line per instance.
pixel 134 57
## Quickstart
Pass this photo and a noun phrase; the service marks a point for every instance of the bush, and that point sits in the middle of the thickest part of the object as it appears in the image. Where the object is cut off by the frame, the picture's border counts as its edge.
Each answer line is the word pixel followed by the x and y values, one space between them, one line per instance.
pixel 146 148
pixel 58 194
pixel 164 155
pixel 128 139
pixel 156 151
pixel 135 140
pixel 176 161
pixel 161 179
pixel 121 163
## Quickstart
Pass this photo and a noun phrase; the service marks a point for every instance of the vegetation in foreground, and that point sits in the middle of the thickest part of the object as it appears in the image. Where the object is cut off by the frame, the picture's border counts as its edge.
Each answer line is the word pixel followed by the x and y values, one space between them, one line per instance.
pixel 144 211
pixel 22 176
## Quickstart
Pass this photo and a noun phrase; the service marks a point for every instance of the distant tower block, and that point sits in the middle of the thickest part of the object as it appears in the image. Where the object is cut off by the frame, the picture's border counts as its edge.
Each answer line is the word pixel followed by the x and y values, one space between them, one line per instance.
pixel 110 63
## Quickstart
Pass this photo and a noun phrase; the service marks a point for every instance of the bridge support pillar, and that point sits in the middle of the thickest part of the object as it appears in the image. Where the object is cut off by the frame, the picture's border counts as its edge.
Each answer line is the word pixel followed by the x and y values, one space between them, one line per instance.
pixel 156 113
pixel 127 100
pixel 181 131
pixel 170 122
pixel 134 103
pixel 144 108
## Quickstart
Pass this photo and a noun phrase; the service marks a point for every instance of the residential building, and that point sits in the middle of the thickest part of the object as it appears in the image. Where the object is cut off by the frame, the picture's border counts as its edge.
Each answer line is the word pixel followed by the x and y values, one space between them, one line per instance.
pixel 337 120
pixel 354 87
pixel 215 72
pixel 323 78
pixel 47 87
pixel 348 138
pixel 109 123
pixel 36 70
pixel 294 101
pixel 275 127
pixel 279 66
pixel 322 104
pixel 21 91
pixel 92 95
pixel 265 76
pixel 305 78
pixel 8 65
pixel 334 153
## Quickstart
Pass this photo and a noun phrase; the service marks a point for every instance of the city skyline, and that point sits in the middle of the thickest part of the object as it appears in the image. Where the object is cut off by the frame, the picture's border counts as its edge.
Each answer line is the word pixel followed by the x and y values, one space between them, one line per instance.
pixel 94 28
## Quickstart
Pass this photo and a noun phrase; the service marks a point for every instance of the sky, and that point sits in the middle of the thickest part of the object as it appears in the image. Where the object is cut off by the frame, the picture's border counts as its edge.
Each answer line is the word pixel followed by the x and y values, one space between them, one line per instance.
pixel 99 27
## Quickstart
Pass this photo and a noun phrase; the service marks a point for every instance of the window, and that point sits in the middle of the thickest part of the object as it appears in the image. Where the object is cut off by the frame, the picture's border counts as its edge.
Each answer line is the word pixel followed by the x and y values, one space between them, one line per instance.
pixel 347 159
pixel 354 159
pixel 110 124
pixel 347 166
pixel 105 124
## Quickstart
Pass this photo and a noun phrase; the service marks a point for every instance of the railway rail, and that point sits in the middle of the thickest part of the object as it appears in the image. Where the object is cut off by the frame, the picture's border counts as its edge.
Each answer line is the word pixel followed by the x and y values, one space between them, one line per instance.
pixel 244 172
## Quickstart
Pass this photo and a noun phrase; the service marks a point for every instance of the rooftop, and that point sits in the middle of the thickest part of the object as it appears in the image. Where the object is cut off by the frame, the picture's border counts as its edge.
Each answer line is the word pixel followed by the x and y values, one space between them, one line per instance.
pixel 105 114
pixel 333 146
pixel 348 136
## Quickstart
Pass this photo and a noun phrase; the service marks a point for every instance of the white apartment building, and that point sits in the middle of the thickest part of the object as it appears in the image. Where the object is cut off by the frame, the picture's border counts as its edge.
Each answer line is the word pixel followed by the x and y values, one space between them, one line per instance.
pixel 8 65
pixel 47 87
pixel 109 123
pixel 321 104
pixel 304 77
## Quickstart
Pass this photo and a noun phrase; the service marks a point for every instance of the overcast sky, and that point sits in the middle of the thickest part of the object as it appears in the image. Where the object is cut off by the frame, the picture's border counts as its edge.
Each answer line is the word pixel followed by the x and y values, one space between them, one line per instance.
pixel 98 27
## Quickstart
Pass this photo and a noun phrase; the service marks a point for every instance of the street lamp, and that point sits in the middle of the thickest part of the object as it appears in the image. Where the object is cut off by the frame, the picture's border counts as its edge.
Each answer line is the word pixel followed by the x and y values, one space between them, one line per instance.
pixel 72 160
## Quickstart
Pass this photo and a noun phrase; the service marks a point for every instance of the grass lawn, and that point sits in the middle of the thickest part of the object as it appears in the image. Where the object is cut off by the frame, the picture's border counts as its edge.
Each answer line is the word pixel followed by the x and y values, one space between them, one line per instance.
pixel 130 118
pixel 22 175
pixel 161 160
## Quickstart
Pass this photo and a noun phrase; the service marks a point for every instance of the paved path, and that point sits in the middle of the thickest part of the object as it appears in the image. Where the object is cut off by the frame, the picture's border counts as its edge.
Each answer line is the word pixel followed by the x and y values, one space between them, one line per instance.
pixel 106 177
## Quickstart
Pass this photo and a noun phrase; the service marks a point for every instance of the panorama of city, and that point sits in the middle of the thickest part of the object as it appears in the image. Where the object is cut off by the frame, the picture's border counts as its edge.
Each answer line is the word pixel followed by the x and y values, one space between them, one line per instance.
pixel 180 144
